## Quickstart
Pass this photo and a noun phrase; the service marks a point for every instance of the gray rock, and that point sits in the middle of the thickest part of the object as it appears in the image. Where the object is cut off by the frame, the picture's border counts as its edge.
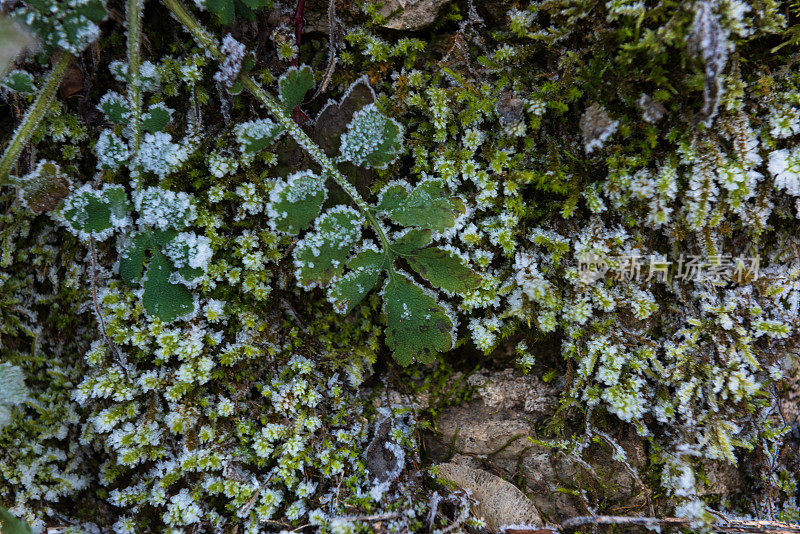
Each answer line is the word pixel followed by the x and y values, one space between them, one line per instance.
pixel 411 14
pixel 498 502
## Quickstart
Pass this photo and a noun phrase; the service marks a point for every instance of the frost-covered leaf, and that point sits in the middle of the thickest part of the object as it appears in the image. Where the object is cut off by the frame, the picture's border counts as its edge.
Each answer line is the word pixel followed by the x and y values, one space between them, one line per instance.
pixel 372 139
pixel 67 24
pixel 89 212
pixel 190 255
pixel 321 254
pixel 19 81
pixel 111 151
pixel 332 121
pixel 417 327
pixel 392 197
pixel 10 524
pixel 429 205
pixel 163 298
pixel 411 241
pixel 42 189
pixel 293 86
pixel 165 209
pixel 131 257
pixel 348 290
pixel 115 107
pixel 12 385
pixel 443 268
pixel 296 201
pixel 156 118
pixel 254 136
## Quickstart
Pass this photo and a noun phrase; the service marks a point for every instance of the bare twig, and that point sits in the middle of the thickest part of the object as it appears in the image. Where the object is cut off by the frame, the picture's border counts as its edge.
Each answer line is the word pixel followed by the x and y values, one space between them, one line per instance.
pixel 371 518
pixel 725 527
pixel 99 313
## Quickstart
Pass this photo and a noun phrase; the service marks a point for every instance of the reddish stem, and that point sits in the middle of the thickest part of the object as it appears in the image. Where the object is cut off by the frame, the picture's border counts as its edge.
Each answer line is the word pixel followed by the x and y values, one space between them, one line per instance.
pixel 298 25
pixel 298 115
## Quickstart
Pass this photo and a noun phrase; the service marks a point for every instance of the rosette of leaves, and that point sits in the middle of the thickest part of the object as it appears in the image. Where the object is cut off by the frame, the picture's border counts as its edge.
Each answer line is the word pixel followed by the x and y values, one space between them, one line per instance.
pixel 67 24
pixel 164 262
pixel 334 256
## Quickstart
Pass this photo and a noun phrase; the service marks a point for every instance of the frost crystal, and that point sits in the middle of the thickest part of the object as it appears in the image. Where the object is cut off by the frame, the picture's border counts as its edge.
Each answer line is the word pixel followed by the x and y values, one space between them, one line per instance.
pixel 229 69
pixel 111 151
pixel 784 165
pixel 709 41
pixel 159 155
pixel 164 209
pixel 189 250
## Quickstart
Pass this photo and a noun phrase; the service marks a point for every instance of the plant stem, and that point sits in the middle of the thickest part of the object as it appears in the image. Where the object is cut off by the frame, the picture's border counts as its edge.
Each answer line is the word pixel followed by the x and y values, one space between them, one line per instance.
pixel 34 115
pixel 209 43
pixel 133 12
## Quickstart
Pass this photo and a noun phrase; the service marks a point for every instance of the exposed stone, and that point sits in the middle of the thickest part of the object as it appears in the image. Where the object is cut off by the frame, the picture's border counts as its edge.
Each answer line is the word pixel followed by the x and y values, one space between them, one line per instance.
pixel 498 502
pixel 411 14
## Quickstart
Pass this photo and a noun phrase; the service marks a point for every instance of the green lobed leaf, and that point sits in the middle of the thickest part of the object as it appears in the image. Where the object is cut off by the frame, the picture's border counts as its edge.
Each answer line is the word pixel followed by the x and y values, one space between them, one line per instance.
pixel 115 107
pixel 19 81
pixel 11 525
pixel 224 9
pixel 93 10
pixel 413 240
pixel 131 258
pixel 443 268
pixel 255 136
pixel 156 119
pixel 293 86
pixel 163 299
pixel 321 255
pixel 429 205
pixel 417 327
pixel 392 197
pixel 372 139
pixel 91 212
pixel 348 290
pixel 296 201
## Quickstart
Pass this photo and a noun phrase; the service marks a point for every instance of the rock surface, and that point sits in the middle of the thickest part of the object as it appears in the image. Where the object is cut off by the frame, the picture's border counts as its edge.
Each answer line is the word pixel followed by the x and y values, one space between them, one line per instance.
pixel 499 502
pixel 492 432
pixel 410 14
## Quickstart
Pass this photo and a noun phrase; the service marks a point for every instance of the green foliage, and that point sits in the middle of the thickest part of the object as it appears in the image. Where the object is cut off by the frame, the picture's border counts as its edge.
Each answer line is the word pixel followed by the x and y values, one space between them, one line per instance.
pixel 19 81
pixel 293 86
pixel 297 201
pixel 162 298
pixel 322 254
pixel 371 139
pixel 95 213
pixel 71 25
pixel 417 327
pixel 428 205
pixel 11 525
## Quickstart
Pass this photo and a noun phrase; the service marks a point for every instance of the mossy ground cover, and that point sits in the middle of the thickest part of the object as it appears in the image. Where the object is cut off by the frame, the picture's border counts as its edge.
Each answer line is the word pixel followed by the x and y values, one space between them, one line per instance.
pixel 221 246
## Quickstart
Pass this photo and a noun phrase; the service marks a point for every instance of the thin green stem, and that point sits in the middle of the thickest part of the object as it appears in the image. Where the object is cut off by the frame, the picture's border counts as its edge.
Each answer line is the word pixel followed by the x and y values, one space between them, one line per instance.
pixel 133 12
pixel 209 43
pixel 33 116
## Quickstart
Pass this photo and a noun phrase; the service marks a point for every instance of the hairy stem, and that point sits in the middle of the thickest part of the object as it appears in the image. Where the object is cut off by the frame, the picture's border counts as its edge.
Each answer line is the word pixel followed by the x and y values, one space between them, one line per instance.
pixel 34 115
pixel 209 43
pixel 133 12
